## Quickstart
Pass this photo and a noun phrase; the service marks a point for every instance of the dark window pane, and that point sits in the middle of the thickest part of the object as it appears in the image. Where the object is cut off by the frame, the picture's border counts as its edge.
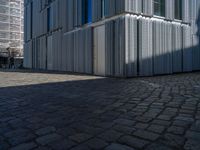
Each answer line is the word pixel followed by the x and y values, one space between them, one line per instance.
pixel 49 21
pixel 178 9
pixel 159 7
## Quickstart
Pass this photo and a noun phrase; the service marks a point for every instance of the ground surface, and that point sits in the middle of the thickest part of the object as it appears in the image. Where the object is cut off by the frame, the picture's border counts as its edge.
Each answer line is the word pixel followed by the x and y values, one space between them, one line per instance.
pixel 58 111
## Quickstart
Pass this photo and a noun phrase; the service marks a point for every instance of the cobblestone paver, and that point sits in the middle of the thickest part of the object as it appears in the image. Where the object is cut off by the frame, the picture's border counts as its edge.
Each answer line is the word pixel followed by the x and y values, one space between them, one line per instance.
pixel 45 111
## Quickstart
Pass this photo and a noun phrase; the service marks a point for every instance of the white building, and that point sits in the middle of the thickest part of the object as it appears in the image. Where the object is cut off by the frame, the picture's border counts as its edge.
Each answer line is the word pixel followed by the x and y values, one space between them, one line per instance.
pixel 11 26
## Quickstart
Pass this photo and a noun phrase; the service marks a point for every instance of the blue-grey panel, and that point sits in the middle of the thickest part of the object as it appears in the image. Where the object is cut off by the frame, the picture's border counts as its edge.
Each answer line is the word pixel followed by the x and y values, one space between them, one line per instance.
pixel 177 47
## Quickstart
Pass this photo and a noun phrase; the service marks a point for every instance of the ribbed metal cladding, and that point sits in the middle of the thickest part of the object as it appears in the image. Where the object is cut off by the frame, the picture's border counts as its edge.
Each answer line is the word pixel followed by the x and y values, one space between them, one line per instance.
pixel 162 47
pixel 119 48
pixel 187 50
pixel 131 45
pixel 109 48
pixel 148 7
pixel 97 11
pixel 145 46
pixel 177 47
pixel 77 51
pixel 110 8
pixel 186 10
pixel 137 43
pixel 169 7
pixel 28 54
pixel 133 6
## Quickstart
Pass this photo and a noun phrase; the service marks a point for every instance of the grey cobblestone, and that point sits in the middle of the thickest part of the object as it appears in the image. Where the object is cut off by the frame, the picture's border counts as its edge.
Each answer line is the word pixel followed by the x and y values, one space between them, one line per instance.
pixel 80 137
pixel 44 140
pixel 45 130
pixel 146 135
pixel 63 111
pixel 133 142
pixel 96 143
pixel 192 145
pixel 25 146
pixel 115 146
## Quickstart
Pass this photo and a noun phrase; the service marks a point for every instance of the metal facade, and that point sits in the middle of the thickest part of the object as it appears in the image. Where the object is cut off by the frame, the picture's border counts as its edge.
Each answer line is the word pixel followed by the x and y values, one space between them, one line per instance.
pixel 59 35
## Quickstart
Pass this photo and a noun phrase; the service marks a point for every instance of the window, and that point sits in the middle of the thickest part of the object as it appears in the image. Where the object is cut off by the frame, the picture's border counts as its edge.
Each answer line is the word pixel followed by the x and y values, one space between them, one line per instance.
pixel 87 12
pixel 178 9
pixel 31 20
pixel 49 20
pixel 102 8
pixel 159 7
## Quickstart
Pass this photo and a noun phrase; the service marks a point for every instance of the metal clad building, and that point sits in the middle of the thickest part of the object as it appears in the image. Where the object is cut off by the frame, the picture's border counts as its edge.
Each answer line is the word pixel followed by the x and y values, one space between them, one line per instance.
pixel 120 38
pixel 11 26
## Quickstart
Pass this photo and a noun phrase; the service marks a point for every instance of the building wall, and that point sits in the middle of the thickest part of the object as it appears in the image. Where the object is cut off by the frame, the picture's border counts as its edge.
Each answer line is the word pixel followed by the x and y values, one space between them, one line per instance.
pixel 59 35
pixel 11 25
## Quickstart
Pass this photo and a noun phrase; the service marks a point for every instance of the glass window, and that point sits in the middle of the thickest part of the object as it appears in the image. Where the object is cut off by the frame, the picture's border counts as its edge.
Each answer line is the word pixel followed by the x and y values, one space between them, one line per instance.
pixel 49 19
pixel 87 12
pixel 102 8
pixel 159 7
pixel 178 9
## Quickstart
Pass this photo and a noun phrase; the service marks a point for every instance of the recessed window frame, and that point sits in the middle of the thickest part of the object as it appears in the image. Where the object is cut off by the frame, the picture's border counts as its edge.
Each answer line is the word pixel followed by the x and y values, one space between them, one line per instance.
pixel 103 9
pixel 87 12
pixel 178 14
pixel 159 8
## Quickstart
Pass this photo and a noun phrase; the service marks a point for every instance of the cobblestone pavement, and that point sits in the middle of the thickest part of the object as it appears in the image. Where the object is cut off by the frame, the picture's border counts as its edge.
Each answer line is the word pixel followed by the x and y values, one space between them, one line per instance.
pixel 58 111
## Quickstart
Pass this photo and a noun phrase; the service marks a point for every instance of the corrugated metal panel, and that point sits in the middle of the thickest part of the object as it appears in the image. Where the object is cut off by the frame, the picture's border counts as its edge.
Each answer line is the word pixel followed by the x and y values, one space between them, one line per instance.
pixel 99 51
pixel 170 9
pixel 131 47
pixel 148 7
pixel 42 52
pixel 162 46
pixel 88 50
pixel 120 47
pixel 49 53
pixel 28 22
pixel 145 47
pixel 196 53
pixel 109 47
pixel 96 10
pixel 134 6
pixel 110 8
pixel 177 47
pixel 186 10
pixel 187 48
pixel 28 55
pixel 120 6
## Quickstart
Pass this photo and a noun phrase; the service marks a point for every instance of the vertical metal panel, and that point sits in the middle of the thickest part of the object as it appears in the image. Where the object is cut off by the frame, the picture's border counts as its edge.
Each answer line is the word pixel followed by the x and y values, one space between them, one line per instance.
pixel 145 47
pixel 162 46
pixel 28 55
pixel 148 7
pixel 134 6
pixel 28 22
pixel 119 6
pixel 49 53
pixel 196 53
pixel 187 50
pixel 96 10
pixel 170 9
pixel 99 51
pixel 177 47
pixel 109 47
pixel 120 47
pixel 186 10
pixel 131 47
pixel 110 8
pixel 88 50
